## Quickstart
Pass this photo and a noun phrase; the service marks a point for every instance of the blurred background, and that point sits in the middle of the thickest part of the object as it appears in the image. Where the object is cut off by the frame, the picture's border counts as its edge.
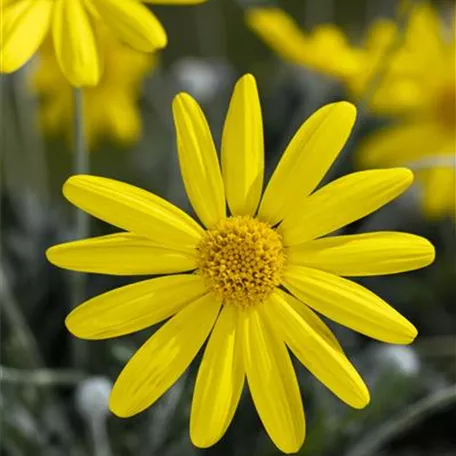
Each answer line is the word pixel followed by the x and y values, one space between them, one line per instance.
pixel 394 59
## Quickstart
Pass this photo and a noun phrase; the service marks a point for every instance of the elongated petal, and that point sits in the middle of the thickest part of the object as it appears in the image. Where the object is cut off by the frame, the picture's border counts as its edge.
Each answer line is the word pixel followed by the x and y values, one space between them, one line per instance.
pixel 120 254
pixel 133 23
pixel 219 382
pixel 349 304
pixel 343 201
pixel 277 29
pixel 24 26
pixel 272 382
pixel 133 209
pixel 133 307
pixel 439 192
pixel 306 160
pixel 364 254
pixel 243 149
pixel 163 358
pixel 198 161
pixel 295 323
pixel 75 43
pixel 414 140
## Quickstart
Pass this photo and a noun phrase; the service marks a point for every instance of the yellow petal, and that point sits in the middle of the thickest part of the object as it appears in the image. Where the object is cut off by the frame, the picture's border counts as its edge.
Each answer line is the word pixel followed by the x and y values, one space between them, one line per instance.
pixel 402 144
pixel 75 43
pixel 302 331
pixel 133 23
pixel 133 209
pixel 198 161
pixel 439 192
pixel 133 307
pixel 426 31
pixel 243 149
pixel 163 358
pixel 219 382
pixel 349 304
pixel 306 160
pixel 279 31
pixel 120 254
pixel 272 382
pixel 364 254
pixel 343 201
pixel 24 25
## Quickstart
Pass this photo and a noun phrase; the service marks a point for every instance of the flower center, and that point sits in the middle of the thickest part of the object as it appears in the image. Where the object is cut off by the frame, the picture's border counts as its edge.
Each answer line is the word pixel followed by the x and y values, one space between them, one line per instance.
pixel 446 107
pixel 241 260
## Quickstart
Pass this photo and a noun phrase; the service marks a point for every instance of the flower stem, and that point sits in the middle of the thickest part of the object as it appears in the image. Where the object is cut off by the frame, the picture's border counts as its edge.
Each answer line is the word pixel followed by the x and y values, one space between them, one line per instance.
pixel 80 166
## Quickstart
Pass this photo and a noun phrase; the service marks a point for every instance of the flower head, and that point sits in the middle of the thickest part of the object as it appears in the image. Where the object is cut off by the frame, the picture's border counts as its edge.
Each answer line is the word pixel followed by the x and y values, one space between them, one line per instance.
pixel 250 277
pixel 425 96
pixel 25 24
pixel 110 108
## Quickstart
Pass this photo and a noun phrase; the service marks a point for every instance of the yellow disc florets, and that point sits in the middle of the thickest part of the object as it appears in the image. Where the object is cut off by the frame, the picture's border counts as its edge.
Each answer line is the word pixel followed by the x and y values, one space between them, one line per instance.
pixel 241 260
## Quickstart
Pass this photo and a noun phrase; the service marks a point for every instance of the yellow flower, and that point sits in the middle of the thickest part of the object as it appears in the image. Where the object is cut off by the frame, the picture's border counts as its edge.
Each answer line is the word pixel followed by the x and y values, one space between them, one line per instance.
pixel 250 276
pixel 417 83
pixel 326 49
pixel 25 23
pixel 110 108
pixel 425 137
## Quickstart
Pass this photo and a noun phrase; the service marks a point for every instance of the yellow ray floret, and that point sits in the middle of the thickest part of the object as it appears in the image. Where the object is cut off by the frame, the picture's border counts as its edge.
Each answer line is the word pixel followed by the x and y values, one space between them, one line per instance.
pixel 250 281
pixel 25 23
pixel 110 108
pixel 424 139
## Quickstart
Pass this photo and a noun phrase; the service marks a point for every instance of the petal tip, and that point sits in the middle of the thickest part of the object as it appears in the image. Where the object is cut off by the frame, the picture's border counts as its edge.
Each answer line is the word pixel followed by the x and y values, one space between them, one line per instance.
pixel 406 174
pixel 363 397
pixel 117 408
pixel 429 253
pixel 247 78
pixel 180 100
pixel 72 326
pixel 50 254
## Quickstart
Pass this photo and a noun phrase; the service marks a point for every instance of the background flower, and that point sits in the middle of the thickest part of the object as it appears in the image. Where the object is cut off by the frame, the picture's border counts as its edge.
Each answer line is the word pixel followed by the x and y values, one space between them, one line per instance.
pixel 111 108
pixel 25 24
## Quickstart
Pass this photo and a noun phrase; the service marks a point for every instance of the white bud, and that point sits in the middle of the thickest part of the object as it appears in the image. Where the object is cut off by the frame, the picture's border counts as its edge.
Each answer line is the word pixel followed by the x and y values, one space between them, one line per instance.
pixel 400 357
pixel 92 397
pixel 201 78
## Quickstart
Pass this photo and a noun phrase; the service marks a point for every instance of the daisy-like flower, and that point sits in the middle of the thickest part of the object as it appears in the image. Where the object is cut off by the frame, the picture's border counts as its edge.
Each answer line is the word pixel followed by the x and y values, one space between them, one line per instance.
pixel 25 23
pixel 417 85
pixel 250 277
pixel 425 136
pixel 314 50
pixel 356 64
pixel 110 108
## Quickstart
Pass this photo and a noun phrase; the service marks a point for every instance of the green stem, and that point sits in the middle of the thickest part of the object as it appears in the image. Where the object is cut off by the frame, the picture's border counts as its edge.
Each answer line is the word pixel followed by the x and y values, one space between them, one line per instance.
pixel 80 166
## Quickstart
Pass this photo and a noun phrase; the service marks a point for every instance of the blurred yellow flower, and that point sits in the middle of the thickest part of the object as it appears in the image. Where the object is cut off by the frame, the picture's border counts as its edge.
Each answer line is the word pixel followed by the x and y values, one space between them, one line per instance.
pixel 110 108
pixel 25 23
pixel 325 49
pixel 249 276
pixel 416 84
pixel 425 96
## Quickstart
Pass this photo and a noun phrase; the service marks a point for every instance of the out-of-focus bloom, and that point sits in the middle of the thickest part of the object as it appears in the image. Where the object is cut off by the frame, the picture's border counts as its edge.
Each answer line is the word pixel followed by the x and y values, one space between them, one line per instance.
pixel 251 279
pixel 202 78
pixel 324 49
pixel 425 137
pixel 416 84
pixel 25 24
pixel 110 108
